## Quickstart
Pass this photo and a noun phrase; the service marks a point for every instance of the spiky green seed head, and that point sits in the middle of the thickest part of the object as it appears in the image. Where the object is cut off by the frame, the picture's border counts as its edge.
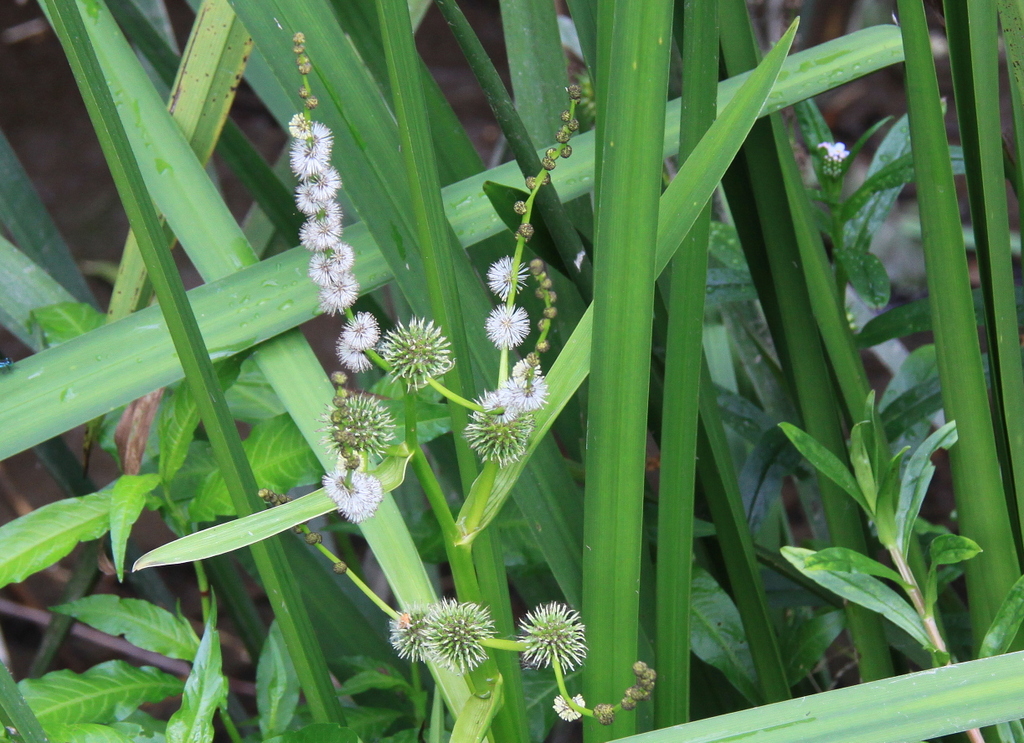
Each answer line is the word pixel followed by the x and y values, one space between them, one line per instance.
pixel 497 440
pixel 553 632
pixel 454 632
pixel 417 352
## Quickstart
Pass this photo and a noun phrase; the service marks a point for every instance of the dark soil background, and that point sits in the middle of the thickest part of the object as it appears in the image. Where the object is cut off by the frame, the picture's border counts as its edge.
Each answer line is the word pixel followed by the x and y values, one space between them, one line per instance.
pixel 42 115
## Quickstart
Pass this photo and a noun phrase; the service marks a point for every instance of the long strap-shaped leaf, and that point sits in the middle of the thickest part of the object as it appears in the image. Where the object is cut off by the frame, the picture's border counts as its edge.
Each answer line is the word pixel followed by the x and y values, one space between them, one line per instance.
pixel 277 579
pixel 15 712
pixel 917 706
pixel 977 480
pixel 627 196
pixel 136 351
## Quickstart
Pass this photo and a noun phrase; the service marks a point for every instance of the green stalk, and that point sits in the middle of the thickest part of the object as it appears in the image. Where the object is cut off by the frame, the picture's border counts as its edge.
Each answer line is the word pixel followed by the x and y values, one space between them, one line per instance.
pixel 696 34
pixel 15 712
pixel 761 213
pixel 435 242
pixel 977 482
pixel 628 187
pixel 280 586
pixel 549 206
pixel 974 58
pixel 722 493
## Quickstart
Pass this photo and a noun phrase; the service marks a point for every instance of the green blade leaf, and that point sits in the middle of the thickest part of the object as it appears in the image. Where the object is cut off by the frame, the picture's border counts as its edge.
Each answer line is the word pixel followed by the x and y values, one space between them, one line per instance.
pixel 34 288
pixel 913 707
pixel 143 624
pixel 474 721
pixel 864 590
pixel 843 560
pixel 1006 623
pixel 126 503
pixel 825 462
pixel 804 648
pixel 258 526
pixel 916 479
pixel 205 690
pixel 321 732
pixel 87 732
pixel 66 320
pixel 38 539
pixel 277 686
pixel 717 636
pixel 949 549
pixel 95 696
pixel 280 460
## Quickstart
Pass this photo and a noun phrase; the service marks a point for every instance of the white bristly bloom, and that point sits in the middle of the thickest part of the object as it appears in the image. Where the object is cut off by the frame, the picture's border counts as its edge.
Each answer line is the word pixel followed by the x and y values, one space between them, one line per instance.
pixel 526 394
pixel 500 278
pixel 357 501
pixel 311 153
pixel 565 711
pixel 299 126
pixel 319 235
pixel 321 270
pixel 507 327
pixel 305 201
pixel 361 332
pixel 324 185
pixel 351 358
pixel 339 296
pixel 499 399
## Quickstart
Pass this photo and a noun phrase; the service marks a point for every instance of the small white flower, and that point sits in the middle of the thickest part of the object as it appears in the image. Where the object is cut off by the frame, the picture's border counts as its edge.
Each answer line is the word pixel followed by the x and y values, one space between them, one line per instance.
pixel 305 200
pixel 343 257
pixel 526 394
pixel 319 235
pixel 357 501
pixel 352 359
pixel 331 213
pixel 299 126
pixel 339 296
pixel 324 185
pixel 834 151
pixel 507 327
pixel 565 711
pixel 361 332
pixel 320 269
pixel 501 279
pixel 499 399
pixel 311 153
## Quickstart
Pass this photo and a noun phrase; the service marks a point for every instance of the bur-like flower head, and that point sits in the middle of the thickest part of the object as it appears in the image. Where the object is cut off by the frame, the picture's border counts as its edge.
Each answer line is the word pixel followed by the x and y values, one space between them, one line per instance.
pixel 501 279
pixel 361 332
pixel 417 352
pixel 566 712
pixel 507 327
pixel 322 270
pixel 343 257
pixel 356 494
pixel 306 201
pixel 360 423
pixel 553 632
pixel 454 633
pixel 409 634
pixel 499 439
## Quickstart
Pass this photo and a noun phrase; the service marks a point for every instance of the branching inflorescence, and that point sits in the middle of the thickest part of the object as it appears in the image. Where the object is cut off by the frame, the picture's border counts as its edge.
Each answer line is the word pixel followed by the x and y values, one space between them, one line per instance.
pixel 359 429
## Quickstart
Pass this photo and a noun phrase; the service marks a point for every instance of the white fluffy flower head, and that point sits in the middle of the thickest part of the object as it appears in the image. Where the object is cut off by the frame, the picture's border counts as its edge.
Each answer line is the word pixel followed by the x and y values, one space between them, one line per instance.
pixel 565 711
pixel 356 494
pixel 507 327
pixel 340 295
pixel 361 332
pixel 501 279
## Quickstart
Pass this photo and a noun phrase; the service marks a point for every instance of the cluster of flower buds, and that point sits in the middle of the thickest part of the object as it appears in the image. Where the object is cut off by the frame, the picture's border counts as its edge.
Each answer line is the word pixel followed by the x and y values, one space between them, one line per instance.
pixel 641 690
pixel 330 266
pixel 454 635
pixel 833 159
